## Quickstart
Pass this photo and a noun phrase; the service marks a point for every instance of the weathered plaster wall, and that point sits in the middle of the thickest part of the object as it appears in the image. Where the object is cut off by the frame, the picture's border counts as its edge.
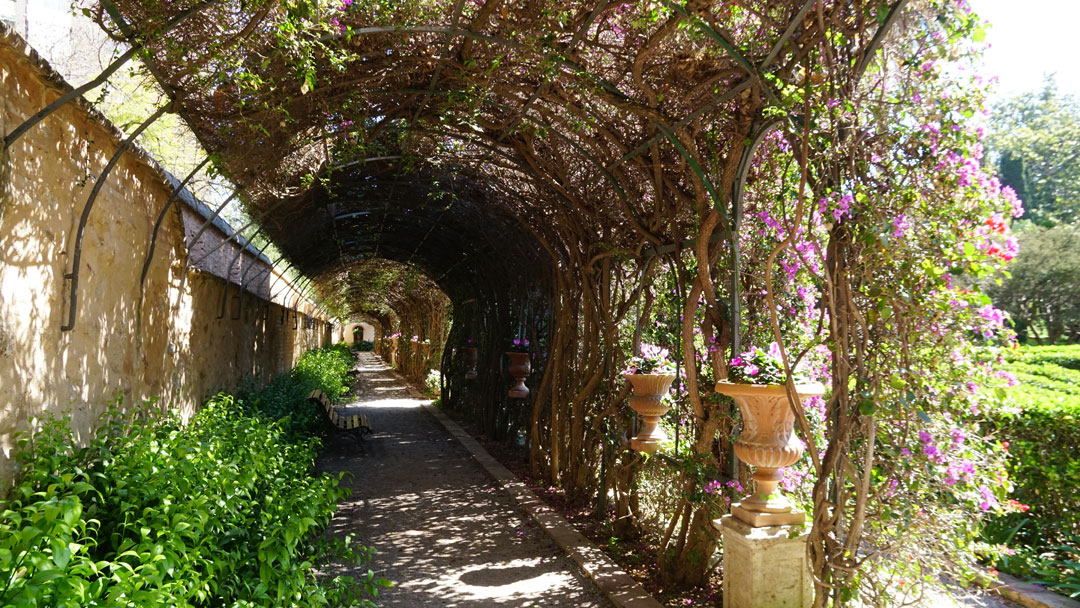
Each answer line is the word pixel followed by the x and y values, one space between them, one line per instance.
pixel 348 334
pixel 145 339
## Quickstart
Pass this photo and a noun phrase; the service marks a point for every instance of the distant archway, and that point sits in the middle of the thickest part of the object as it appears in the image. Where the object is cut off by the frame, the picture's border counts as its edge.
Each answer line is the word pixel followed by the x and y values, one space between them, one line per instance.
pixel 359 331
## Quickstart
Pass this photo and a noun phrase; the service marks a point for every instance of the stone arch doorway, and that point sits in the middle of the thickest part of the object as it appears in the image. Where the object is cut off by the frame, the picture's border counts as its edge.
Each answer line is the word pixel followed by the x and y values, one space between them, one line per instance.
pixel 355 332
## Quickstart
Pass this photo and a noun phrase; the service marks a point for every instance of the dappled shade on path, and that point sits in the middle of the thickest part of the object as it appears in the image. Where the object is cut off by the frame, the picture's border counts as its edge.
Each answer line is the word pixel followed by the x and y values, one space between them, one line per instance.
pixel 446 534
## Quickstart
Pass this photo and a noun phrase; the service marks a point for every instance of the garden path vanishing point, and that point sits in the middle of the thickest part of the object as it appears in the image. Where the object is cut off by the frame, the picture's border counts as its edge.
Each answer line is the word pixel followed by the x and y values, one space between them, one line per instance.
pixel 446 533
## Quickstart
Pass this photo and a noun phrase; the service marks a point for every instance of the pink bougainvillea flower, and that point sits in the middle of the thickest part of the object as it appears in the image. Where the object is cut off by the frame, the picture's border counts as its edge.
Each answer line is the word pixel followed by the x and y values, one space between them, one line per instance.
pixel 997 224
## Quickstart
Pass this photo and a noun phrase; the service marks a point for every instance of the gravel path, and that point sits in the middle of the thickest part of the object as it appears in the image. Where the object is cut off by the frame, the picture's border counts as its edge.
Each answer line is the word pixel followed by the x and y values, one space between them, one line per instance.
pixel 446 535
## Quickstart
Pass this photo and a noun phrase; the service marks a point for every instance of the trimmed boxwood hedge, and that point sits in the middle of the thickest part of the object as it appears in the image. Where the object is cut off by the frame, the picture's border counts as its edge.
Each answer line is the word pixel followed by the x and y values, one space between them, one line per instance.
pixel 222 511
pixel 1044 435
pixel 1044 447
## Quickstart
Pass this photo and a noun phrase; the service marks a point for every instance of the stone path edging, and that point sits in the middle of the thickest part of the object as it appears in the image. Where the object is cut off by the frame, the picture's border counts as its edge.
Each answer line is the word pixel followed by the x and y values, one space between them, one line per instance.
pixel 1030 595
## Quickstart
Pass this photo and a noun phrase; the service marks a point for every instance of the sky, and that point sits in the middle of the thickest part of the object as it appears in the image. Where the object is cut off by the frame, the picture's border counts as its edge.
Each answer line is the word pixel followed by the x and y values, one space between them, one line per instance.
pixel 1030 38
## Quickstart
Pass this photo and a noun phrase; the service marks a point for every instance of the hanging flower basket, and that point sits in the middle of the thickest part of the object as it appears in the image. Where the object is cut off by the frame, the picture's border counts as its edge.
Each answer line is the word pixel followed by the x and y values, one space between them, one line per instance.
pixel 767 442
pixel 520 366
pixel 470 355
pixel 648 402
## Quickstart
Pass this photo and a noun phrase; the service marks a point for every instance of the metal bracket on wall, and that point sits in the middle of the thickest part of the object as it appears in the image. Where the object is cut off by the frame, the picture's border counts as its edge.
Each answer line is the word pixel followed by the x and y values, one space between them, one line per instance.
pixel 76 259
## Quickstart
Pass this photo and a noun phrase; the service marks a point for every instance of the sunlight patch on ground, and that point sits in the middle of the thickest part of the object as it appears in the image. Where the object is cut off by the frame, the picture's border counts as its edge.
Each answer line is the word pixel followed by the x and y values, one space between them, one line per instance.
pixel 392 403
pixel 513 582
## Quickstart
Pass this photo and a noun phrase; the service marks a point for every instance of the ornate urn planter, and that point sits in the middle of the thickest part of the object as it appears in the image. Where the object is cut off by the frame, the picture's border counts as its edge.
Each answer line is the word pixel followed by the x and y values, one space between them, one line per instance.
pixel 470 356
pixel 647 401
pixel 520 366
pixel 768 442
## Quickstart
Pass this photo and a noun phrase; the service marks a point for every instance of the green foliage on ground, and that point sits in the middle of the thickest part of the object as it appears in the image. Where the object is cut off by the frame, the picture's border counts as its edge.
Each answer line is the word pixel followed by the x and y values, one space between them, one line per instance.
pixel 286 396
pixel 1044 464
pixel 222 511
pixel 1049 379
pixel 365 345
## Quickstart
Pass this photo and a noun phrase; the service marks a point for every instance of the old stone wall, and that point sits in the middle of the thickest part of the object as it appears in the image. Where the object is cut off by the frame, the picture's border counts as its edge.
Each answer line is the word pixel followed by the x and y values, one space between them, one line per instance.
pixel 167 337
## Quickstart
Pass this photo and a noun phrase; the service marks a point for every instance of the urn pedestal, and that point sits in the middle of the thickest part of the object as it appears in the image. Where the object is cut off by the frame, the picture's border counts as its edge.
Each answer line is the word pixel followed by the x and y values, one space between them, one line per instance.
pixel 647 401
pixel 519 368
pixel 767 442
pixel 765 567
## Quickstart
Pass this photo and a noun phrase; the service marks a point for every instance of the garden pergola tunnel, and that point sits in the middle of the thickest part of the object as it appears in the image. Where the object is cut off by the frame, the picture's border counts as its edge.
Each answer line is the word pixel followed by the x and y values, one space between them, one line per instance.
pixel 462 242
pixel 544 165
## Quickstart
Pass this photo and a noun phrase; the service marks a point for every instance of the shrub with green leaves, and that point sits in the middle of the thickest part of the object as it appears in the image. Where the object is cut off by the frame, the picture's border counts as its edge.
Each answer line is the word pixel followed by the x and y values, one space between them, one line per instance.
pixel 1042 435
pixel 286 396
pixel 221 512
pixel 433 383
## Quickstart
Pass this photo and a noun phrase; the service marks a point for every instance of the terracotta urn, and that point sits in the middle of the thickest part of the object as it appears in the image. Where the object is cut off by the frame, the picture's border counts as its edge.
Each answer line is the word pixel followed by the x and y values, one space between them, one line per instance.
pixel 520 366
pixel 647 401
pixel 767 442
pixel 470 356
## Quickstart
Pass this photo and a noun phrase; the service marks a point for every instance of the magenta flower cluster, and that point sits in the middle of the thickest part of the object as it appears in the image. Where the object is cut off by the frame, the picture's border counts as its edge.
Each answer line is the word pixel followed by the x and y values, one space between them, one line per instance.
pixel 654 359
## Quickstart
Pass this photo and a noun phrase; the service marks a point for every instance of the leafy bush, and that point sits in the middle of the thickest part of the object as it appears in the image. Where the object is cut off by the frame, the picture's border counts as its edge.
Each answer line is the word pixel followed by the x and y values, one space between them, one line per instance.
pixel 433 383
pixel 222 511
pixel 325 368
pixel 286 396
pixel 1044 465
pixel 365 346
pixel 1042 438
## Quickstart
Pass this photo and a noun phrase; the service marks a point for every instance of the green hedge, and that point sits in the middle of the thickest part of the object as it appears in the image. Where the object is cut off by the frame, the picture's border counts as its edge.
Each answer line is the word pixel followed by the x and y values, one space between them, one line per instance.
pixel 1044 436
pixel 223 511
pixel 1044 465
pixel 286 396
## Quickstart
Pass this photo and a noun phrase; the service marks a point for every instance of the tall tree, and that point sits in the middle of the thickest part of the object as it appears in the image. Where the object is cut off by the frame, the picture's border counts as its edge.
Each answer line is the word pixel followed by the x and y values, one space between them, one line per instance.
pixel 1035 140
pixel 1040 293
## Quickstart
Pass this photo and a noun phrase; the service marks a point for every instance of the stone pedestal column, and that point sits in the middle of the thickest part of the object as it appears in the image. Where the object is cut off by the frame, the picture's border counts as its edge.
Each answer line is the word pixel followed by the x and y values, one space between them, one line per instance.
pixel 765 567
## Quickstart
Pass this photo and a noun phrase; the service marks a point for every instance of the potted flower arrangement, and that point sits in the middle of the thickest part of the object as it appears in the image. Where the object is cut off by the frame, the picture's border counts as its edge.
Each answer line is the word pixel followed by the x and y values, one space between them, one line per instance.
pixel 470 356
pixel 768 440
pixel 651 374
pixel 519 368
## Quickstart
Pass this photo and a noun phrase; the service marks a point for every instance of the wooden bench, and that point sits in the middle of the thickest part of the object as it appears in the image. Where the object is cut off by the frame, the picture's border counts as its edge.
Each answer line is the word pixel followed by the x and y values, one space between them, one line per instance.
pixel 355 425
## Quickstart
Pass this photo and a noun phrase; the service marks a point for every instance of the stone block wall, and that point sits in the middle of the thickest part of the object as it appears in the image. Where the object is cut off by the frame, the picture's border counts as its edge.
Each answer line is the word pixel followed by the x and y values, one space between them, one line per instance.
pixel 166 337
